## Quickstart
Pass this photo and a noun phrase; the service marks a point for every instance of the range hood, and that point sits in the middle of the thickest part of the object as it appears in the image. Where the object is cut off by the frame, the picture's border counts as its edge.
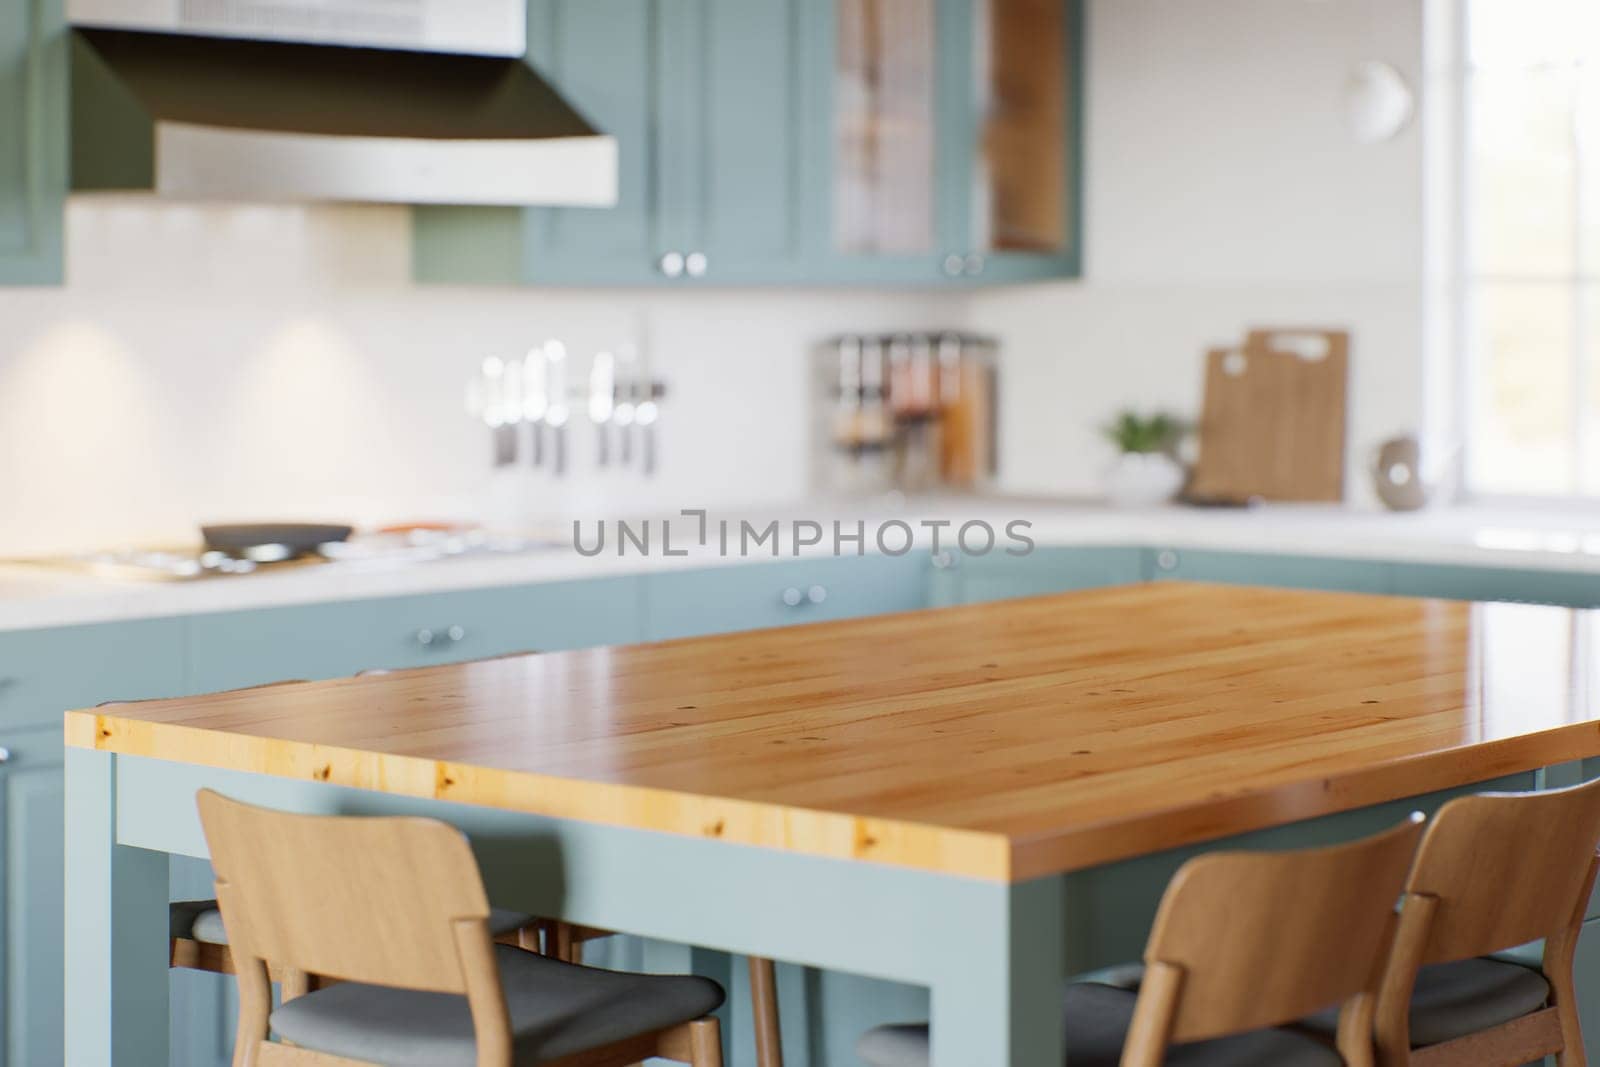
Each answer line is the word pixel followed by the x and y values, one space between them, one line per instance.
pixel 234 115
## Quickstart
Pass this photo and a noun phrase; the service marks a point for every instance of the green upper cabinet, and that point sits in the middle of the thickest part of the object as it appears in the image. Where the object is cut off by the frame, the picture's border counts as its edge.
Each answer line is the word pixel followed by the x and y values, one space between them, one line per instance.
pixel 949 139
pixel 914 142
pixel 702 97
pixel 33 144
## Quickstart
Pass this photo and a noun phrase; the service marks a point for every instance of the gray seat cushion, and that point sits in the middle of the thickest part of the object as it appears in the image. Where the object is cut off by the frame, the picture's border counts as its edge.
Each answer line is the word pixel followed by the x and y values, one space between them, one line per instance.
pixel 557 1009
pixel 1452 1000
pixel 199 920
pixel 1097 1018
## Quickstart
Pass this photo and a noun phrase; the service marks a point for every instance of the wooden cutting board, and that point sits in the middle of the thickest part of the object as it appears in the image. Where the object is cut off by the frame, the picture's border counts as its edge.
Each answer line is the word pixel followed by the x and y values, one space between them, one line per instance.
pixel 1273 423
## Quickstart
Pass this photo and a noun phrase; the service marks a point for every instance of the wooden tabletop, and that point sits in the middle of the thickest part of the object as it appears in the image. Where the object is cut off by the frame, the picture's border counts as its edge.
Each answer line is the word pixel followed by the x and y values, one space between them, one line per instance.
pixel 1001 741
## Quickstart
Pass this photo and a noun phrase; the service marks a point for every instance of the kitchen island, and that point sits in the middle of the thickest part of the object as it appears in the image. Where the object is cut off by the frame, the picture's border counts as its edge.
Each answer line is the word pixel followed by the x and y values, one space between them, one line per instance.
pixel 977 800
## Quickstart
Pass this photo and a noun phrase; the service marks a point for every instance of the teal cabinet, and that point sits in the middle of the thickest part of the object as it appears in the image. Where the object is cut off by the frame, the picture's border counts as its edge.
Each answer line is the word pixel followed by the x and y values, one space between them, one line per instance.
pixel 1498 583
pixel 754 596
pixel 800 142
pixel 329 640
pixel 703 99
pixel 33 140
pixel 1287 572
pixel 948 139
pixel 46 672
pixel 31 802
pixel 42 674
pixel 977 579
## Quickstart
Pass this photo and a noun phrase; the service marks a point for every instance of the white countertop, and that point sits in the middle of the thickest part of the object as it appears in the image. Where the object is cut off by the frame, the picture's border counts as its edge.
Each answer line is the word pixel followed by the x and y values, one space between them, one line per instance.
pixel 32 597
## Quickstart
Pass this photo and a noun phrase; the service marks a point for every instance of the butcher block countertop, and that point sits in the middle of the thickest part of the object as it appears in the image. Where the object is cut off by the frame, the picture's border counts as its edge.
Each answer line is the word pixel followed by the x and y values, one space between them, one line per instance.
pixel 1001 741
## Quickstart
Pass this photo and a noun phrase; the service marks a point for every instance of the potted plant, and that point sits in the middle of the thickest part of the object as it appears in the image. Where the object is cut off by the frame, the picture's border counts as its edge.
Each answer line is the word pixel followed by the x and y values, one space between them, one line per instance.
pixel 1146 471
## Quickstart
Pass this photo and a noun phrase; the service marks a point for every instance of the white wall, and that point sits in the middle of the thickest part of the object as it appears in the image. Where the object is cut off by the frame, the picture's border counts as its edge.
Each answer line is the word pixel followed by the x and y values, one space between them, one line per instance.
pixel 229 362
pixel 1222 192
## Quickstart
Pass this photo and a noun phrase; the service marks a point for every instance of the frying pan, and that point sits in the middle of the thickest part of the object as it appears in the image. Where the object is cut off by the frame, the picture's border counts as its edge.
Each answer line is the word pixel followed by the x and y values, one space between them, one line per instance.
pixel 298 538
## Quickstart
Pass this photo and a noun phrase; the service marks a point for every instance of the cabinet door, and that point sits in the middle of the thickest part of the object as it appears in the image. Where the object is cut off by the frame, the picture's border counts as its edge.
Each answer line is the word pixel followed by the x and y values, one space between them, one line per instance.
pixel 1017 67
pixel 753 596
pixel 604 57
pixel 330 640
pixel 1045 570
pixel 879 112
pixel 1290 572
pixel 733 141
pixel 33 124
pixel 32 797
pixel 46 672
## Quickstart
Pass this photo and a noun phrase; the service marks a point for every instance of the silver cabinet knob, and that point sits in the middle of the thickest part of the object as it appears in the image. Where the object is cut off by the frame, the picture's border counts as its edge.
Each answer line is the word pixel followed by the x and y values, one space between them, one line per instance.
pixel 1167 559
pixel 5 754
pixel 456 633
pixel 943 561
pixel 425 636
pixel 792 596
pixel 696 263
pixel 817 594
pixel 954 265
pixel 973 264
pixel 671 264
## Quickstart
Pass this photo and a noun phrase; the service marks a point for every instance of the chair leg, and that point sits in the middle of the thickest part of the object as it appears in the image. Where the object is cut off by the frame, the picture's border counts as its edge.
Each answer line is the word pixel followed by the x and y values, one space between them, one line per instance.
pixel 705 1043
pixel 764 1006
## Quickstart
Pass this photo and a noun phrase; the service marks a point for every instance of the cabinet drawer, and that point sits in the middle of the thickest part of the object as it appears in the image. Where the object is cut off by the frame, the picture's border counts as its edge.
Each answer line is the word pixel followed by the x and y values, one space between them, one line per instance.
pixel 1045 570
pixel 1289 572
pixel 753 596
pixel 1498 583
pixel 46 672
pixel 329 640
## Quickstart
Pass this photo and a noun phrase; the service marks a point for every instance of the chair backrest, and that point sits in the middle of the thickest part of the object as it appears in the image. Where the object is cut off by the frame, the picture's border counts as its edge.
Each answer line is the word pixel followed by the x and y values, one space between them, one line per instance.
pixel 1263 938
pixel 369 899
pixel 1505 869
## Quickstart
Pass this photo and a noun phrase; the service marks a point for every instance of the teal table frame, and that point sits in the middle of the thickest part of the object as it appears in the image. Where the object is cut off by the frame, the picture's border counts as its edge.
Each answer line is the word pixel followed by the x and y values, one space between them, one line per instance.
pixel 990 953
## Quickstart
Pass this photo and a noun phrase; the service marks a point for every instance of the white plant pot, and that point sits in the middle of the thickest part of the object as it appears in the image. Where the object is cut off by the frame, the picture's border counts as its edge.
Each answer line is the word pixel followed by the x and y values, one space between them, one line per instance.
pixel 1143 479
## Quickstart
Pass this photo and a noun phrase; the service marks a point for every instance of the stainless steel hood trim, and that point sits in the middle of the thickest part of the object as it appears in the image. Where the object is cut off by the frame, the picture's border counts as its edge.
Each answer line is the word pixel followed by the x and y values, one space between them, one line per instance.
pixel 211 162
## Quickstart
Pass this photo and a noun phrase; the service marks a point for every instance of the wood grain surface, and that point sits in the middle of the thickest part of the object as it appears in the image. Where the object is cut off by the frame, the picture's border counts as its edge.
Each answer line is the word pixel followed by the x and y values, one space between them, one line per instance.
pixel 1000 741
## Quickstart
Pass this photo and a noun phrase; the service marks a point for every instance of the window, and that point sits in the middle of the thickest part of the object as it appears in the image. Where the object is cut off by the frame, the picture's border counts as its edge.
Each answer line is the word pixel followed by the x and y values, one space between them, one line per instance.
pixel 1526 284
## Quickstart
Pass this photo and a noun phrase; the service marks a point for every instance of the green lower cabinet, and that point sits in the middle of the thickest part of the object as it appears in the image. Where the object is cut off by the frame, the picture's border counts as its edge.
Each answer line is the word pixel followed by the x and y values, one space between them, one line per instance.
pixel 1498 583
pixel 755 596
pixel 1289 572
pixel 42 674
pixel 328 640
pixel 31 817
pixel 33 140
pixel 1586 968
pixel 996 576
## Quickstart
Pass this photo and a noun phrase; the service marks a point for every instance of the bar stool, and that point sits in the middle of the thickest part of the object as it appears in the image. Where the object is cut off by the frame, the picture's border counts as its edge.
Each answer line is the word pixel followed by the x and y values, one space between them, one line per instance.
pixel 1243 942
pixel 1494 871
pixel 394 907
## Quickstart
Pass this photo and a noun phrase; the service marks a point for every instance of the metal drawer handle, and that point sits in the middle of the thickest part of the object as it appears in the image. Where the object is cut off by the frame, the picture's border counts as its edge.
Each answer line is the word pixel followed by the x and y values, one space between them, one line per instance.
pixel 1167 560
pixel 817 594
pixel 456 633
pixel 695 264
pixel 792 596
pixel 5 754
pixel 954 265
pixel 671 264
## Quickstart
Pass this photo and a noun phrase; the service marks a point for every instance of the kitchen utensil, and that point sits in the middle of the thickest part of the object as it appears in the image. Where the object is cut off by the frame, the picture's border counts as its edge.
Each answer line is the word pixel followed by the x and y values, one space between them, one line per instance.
pixel 296 538
pixel 1273 423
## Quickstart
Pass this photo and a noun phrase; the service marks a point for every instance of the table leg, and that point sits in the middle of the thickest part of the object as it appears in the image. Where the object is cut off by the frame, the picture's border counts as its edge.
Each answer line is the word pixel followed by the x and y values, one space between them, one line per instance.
pixel 997 998
pixel 116 943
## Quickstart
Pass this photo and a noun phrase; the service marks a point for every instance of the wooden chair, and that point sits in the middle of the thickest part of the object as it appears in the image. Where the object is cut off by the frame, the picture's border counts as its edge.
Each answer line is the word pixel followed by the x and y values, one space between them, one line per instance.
pixel 564 941
pixel 331 895
pixel 1243 942
pixel 1493 872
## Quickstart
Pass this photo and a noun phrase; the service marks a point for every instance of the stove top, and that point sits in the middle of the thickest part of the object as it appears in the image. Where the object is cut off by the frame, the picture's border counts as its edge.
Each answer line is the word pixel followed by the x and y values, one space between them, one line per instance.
pixel 377 550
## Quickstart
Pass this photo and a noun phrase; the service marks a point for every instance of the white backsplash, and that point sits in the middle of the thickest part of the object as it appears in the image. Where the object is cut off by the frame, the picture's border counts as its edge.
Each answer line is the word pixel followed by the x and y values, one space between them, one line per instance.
pixel 237 361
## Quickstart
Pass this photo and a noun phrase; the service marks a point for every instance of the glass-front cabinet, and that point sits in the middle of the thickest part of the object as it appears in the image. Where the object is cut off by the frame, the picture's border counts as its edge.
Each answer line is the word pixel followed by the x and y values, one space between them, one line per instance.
pixel 953 134
pixel 769 142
